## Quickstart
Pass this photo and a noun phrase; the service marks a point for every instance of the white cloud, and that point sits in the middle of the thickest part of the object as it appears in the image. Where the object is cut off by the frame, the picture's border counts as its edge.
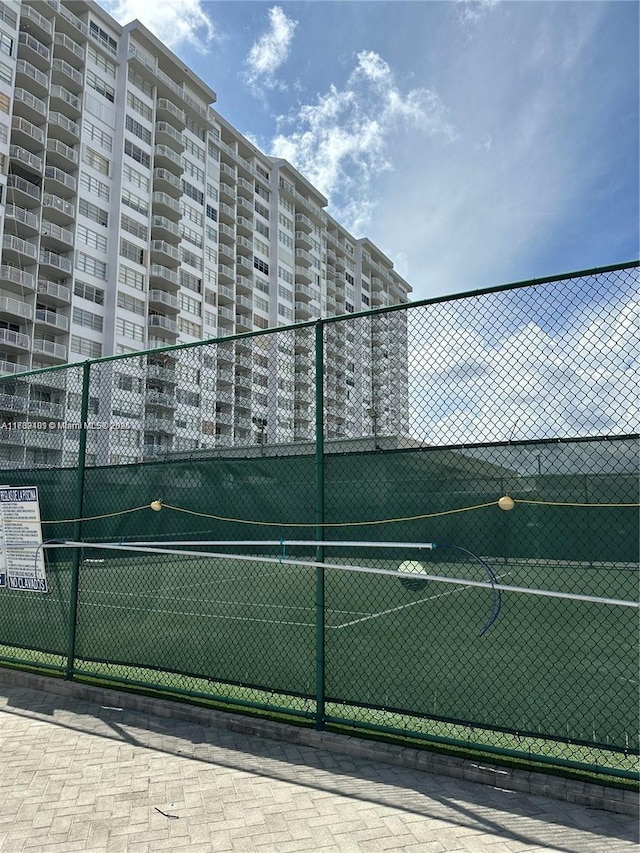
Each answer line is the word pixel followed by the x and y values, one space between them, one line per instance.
pixel 541 380
pixel 343 141
pixel 174 23
pixel 271 50
pixel 471 12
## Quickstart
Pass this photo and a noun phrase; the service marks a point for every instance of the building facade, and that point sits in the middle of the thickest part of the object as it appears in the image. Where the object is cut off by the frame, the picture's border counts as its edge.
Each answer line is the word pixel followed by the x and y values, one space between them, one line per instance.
pixel 133 216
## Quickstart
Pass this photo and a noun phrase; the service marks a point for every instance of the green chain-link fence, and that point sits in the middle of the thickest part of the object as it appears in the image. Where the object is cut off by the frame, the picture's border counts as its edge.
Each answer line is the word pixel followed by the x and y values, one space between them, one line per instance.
pixel 515 632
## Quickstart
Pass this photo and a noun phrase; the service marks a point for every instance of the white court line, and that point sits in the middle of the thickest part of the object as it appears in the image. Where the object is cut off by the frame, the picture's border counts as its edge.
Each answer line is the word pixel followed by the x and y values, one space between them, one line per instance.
pixel 221 601
pixel 207 615
pixel 404 606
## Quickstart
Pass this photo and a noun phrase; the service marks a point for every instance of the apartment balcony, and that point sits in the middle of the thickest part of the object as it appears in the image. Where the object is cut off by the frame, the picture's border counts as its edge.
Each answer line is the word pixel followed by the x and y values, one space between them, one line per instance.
pixel 35 23
pixel 10 275
pixel 303 222
pixel 165 301
pixel 63 99
pixel 377 284
pixel 68 22
pixel 244 226
pixel 166 157
pixel 245 206
pixel 226 252
pixel 228 174
pixel 163 275
pixel 28 106
pixel 14 340
pixel 244 304
pixel 57 238
pixel 64 47
pixel 165 253
pixel 63 128
pixel 303 240
pixel 164 229
pixel 228 194
pixel 25 133
pixel 57 209
pixel 163 373
pixel 34 51
pixel 164 205
pixel 226 274
pixel 23 221
pixel 154 423
pixel 52 320
pixel 163 326
pixel 22 192
pixel 11 403
pixel 226 234
pixel 66 75
pixel 166 181
pixel 244 284
pixel 45 409
pixel 245 247
pixel 243 265
pixel 303 274
pixel 55 263
pixel 159 399
pixel 18 252
pixel 226 295
pixel 44 440
pixel 10 307
pixel 59 154
pixel 53 293
pixel 304 293
pixel 245 188
pixel 303 311
pixel 166 134
pixel 168 111
pixel 31 78
pixel 226 214
pixel 8 368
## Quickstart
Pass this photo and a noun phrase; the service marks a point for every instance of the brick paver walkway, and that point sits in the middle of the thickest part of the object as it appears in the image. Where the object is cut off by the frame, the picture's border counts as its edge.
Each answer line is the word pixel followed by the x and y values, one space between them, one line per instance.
pixel 78 776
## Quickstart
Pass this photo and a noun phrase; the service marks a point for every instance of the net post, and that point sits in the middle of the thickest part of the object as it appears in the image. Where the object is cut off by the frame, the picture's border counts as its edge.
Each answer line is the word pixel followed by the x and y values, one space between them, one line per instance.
pixel 77 527
pixel 320 604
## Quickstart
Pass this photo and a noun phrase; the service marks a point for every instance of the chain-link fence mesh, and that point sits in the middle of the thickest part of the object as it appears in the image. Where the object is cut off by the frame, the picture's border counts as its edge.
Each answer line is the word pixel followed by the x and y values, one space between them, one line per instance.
pixel 431 413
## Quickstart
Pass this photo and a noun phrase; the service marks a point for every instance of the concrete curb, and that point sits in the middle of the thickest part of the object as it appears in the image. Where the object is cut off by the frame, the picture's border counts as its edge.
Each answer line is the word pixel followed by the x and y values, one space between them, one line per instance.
pixel 583 793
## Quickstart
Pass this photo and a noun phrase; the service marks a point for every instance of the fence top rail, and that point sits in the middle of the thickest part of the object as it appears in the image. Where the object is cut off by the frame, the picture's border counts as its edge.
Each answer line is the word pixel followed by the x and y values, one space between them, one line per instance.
pixel 340 318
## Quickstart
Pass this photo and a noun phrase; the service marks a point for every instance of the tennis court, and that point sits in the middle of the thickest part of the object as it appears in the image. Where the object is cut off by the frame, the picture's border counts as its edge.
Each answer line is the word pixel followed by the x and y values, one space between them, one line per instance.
pixel 544 667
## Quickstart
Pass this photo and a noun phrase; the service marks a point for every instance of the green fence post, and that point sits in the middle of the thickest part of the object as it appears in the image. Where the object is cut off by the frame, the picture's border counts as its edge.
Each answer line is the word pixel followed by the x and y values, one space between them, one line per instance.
pixel 320 638
pixel 77 529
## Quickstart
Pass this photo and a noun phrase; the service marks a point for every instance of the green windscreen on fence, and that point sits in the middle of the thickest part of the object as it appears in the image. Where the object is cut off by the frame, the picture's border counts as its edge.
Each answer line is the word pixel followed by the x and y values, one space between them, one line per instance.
pixel 422 519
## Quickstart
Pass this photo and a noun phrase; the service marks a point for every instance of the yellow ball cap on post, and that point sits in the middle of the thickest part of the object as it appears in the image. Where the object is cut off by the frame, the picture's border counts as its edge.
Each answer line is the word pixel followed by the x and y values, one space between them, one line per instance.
pixel 506 503
pixel 156 506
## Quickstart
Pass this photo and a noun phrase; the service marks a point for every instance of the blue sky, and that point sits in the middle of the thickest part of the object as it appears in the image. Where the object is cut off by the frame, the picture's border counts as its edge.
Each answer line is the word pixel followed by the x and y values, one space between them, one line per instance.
pixel 475 143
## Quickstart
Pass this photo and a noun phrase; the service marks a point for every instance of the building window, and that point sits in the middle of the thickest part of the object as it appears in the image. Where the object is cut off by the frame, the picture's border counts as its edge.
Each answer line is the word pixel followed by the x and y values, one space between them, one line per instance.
pixel 102 88
pixel 136 153
pixel 87 319
pixel 89 292
pixel 261 265
pixel 212 213
pixel 91 238
pixel 5 103
pixel 94 186
pixel 129 330
pixel 261 209
pixel 134 227
pixel 193 192
pixel 93 212
pixel 139 106
pixel 92 266
pixel 132 278
pixel 135 202
pixel 138 130
pixel 132 252
pixel 96 134
pixel 83 346
pixel 6 44
pixel 130 303
pixel 103 37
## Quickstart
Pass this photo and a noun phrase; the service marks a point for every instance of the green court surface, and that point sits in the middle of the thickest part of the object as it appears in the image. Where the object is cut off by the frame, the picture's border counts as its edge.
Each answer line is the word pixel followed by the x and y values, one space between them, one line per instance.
pixel 552 667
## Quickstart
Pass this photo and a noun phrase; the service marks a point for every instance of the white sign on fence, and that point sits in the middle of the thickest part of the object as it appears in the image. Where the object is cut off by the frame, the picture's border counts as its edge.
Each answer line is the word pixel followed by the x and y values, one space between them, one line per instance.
pixel 21 558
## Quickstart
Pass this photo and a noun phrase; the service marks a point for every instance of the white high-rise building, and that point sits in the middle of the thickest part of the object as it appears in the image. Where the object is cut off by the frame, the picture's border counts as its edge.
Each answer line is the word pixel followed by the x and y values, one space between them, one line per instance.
pixel 134 216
